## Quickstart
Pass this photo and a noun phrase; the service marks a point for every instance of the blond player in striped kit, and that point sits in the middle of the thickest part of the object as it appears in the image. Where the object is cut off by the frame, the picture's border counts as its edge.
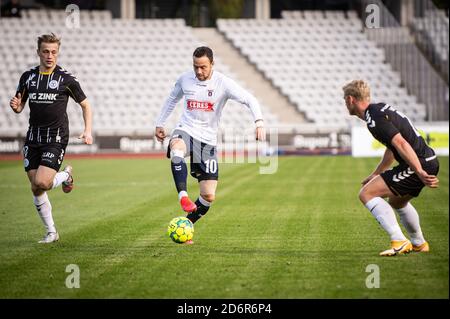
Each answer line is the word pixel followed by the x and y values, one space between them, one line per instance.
pixel 47 88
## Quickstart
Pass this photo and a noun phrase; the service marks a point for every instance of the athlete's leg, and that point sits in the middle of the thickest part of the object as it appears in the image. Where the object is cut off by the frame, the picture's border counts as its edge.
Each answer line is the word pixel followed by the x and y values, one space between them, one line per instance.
pixel 204 201
pixel 31 177
pixel 65 178
pixel 371 195
pixel 178 151
pixel 409 218
pixel 41 180
pixel 42 163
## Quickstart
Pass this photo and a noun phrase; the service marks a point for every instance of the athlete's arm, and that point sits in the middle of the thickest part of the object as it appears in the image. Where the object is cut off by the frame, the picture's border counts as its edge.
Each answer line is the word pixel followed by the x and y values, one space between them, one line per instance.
pixel 17 103
pixel 87 117
pixel 407 153
pixel 169 105
pixel 238 94
pixel 386 162
pixel 74 90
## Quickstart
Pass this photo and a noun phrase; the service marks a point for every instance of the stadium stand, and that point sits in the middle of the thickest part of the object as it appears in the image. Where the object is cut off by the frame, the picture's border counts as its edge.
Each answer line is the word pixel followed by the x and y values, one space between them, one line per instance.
pixel 126 68
pixel 431 32
pixel 309 55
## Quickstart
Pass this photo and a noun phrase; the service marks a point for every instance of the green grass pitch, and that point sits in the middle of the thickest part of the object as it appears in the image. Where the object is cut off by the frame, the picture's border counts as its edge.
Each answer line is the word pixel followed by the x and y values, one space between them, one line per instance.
pixel 299 233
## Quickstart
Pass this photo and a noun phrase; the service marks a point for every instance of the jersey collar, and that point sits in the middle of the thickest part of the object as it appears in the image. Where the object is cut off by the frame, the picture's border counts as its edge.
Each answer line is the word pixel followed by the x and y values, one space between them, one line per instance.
pixel 48 73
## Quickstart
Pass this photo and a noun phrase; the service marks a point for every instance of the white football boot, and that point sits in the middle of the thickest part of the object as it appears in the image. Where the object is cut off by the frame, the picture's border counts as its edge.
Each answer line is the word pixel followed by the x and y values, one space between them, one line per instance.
pixel 49 238
pixel 67 186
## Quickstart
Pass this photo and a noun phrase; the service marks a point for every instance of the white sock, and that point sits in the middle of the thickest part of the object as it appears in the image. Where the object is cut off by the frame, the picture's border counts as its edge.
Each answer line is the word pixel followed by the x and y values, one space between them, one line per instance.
pixel 182 194
pixel 410 219
pixel 60 178
pixel 44 209
pixel 385 216
pixel 204 202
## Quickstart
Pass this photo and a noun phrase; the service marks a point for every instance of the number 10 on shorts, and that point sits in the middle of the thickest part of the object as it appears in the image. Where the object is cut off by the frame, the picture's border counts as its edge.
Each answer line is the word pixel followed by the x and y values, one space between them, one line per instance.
pixel 211 166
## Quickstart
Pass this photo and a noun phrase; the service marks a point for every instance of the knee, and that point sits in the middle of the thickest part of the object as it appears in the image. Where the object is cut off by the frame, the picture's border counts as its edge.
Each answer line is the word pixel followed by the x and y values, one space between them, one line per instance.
pixel 36 190
pixel 364 195
pixel 177 145
pixel 177 155
pixel 41 184
pixel 208 197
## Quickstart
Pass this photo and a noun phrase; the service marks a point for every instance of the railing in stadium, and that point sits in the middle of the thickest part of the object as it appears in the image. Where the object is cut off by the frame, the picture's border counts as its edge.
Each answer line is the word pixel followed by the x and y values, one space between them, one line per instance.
pixel 417 74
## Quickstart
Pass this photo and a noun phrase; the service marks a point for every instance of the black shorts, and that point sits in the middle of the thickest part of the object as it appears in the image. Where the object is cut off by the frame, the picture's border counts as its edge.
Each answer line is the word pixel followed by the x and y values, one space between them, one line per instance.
pixel 401 179
pixel 49 155
pixel 203 157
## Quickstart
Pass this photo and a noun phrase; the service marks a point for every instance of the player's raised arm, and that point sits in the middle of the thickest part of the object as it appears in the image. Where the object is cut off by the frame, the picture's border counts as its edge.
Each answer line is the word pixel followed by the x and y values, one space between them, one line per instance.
pixel 238 94
pixel 407 153
pixel 87 117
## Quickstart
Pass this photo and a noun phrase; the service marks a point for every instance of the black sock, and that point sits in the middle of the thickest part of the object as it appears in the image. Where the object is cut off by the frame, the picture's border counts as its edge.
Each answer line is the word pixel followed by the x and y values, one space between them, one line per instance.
pixel 201 210
pixel 179 172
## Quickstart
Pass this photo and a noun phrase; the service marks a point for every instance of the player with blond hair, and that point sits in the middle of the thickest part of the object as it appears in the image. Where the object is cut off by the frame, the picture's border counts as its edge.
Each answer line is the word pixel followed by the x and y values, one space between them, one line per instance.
pixel 47 87
pixel 417 167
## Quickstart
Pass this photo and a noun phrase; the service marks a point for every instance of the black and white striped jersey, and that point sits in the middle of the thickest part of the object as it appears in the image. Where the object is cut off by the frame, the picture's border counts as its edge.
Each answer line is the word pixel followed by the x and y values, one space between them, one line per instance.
pixel 48 94
pixel 384 122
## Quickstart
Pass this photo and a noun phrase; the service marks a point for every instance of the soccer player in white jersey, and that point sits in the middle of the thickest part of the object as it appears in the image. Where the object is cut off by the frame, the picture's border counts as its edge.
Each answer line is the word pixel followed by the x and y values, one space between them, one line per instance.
pixel 48 87
pixel 205 93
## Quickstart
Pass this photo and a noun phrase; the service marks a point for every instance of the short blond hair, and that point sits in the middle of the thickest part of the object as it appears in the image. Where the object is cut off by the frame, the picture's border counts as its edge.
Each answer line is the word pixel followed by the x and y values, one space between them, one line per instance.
pixel 359 89
pixel 48 38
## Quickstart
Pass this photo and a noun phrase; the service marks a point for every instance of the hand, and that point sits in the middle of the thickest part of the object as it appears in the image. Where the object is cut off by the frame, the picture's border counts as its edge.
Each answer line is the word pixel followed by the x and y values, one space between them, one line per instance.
pixel 16 103
pixel 260 131
pixel 86 137
pixel 429 180
pixel 160 134
pixel 368 179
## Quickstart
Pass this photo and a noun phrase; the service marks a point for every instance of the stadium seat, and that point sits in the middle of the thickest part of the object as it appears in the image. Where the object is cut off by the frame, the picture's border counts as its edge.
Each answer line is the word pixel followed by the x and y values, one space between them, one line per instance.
pixel 126 68
pixel 310 54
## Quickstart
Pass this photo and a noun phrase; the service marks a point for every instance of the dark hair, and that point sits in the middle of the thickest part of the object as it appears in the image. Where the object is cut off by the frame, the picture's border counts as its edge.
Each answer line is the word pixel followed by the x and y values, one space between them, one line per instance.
pixel 202 51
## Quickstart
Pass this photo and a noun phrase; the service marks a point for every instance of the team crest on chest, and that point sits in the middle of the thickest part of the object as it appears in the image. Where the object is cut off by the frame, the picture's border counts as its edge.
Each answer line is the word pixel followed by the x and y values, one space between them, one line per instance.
pixel 53 84
pixel 210 92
